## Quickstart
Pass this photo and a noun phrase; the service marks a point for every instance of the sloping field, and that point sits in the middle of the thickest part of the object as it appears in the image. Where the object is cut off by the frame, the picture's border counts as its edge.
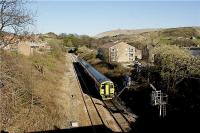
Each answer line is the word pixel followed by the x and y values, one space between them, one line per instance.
pixel 124 32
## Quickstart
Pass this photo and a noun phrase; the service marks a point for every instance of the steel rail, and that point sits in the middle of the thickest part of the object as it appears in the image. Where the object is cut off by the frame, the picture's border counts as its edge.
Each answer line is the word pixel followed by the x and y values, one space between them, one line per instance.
pixel 76 76
pixel 120 125
pixel 97 109
pixel 131 126
pixel 92 100
pixel 106 103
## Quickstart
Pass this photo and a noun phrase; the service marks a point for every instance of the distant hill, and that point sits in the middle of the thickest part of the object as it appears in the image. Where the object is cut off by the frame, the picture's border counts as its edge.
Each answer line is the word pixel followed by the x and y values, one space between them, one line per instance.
pixel 123 32
pixel 181 36
pixel 51 35
pixel 198 29
pixel 179 31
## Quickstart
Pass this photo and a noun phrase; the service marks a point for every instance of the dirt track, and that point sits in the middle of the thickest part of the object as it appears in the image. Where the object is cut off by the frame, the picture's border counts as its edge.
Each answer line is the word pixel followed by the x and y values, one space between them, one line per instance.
pixel 75 108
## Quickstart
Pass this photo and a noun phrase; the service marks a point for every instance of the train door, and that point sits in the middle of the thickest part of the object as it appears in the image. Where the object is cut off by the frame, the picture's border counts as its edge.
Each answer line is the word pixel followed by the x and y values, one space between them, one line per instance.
pixel 107 90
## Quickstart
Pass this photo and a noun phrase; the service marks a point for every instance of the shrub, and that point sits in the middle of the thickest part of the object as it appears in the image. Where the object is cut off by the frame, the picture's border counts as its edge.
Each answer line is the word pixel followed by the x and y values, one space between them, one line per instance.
pixel 175 63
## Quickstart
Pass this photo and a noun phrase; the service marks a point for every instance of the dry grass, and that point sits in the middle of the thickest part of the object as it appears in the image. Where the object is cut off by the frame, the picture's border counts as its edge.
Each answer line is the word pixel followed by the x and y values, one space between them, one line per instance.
pixel 31 99
pixel 110 70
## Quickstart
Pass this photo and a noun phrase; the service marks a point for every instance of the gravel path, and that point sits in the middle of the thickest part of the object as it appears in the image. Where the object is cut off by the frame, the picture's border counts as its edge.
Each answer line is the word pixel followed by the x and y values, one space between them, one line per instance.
pixel 75 107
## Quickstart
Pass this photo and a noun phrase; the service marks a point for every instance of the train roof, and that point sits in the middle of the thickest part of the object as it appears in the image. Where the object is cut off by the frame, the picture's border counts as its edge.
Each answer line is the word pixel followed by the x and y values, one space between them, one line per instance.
pixel 96 74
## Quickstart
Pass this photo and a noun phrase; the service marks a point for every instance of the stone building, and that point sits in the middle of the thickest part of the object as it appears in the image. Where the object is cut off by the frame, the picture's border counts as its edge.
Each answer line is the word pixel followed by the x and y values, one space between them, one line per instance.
pixel 27 48
pixel 119 52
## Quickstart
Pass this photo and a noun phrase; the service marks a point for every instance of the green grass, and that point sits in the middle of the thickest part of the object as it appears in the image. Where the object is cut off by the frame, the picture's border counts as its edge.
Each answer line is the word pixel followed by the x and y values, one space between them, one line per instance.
pixel 197 41
pixel 180 32
pixel 165 40
pixel 53 41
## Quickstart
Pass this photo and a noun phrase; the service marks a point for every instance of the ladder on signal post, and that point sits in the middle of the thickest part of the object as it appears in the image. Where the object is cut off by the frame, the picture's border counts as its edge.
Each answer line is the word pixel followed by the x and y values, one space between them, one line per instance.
pixel 159 99
pixel 164 111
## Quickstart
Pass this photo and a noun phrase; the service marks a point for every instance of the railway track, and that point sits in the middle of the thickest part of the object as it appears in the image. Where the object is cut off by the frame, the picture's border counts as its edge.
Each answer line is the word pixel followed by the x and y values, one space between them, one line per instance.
pixel 87 110
pixel 95 118
pixel 120 116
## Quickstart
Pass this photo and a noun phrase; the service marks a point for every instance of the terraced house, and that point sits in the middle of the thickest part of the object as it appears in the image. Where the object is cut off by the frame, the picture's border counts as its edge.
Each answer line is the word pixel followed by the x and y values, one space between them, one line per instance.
pixel 119 52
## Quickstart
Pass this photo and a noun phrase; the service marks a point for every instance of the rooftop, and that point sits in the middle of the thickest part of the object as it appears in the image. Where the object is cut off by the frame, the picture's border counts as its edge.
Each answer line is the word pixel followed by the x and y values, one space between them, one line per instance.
pixel 110 44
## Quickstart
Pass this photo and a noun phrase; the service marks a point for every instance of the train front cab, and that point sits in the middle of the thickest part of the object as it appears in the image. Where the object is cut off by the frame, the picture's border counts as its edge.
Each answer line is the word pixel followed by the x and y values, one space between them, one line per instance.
pixel 107 90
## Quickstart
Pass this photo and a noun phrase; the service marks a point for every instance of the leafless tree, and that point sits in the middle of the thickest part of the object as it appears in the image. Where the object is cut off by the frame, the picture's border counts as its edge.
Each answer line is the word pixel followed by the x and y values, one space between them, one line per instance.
pixel 14 18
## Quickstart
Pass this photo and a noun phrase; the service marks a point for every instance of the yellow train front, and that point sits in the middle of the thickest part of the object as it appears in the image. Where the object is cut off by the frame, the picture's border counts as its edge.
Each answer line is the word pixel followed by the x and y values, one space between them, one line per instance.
pixel 103 85
pixel 107 90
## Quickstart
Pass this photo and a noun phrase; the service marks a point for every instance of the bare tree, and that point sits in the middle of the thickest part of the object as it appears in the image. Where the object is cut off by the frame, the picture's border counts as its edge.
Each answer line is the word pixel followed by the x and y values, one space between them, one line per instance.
pixel 14 18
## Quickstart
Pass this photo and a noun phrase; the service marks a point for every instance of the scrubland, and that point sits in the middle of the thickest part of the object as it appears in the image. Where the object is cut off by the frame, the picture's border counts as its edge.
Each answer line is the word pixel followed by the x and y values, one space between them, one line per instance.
pixel 31 90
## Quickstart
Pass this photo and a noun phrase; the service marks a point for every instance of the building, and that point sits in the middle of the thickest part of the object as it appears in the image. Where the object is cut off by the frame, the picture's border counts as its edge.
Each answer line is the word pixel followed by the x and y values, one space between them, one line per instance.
pixel 27 47
pixel 138 54
pixel 119 52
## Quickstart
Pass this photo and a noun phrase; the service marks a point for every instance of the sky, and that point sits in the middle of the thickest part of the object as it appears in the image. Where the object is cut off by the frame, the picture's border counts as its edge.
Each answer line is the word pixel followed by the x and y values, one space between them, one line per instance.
pixel 93 17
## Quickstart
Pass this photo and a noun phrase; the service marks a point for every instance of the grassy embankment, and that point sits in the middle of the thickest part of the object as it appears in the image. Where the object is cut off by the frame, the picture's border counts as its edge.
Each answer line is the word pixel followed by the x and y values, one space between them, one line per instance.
pixel 29 95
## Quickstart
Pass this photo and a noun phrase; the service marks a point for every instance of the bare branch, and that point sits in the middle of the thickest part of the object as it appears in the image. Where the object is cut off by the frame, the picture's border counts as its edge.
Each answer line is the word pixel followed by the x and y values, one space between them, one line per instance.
pixel 14 18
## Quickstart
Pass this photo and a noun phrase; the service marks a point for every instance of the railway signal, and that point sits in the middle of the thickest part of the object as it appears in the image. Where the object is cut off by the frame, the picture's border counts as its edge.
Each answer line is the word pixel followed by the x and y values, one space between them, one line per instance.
pixel 159 99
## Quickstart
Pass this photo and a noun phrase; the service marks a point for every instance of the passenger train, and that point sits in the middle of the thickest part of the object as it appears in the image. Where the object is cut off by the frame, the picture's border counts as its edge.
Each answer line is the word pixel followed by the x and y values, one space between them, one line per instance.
pixel 103 85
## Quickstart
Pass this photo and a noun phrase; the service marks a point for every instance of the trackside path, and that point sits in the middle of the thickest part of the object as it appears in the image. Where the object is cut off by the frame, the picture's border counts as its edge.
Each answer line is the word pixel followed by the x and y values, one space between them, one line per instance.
pixel 76 109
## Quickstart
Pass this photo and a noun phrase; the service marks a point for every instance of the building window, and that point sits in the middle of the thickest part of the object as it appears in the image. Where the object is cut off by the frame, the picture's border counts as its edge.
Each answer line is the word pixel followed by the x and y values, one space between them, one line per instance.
pixel 130 49
pixel 113 54
pixel 130 55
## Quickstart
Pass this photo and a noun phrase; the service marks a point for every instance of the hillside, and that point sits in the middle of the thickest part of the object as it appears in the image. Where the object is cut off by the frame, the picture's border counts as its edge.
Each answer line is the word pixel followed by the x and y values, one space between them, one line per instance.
pixel 181 32
pixel 181 36
pixel 123 32
pixel 175 32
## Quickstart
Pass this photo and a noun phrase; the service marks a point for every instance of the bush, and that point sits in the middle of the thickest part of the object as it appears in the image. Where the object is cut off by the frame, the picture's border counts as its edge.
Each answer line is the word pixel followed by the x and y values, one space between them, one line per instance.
pixel 175 63
pixel 110 70
pixel 184 43
pixel 86 53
